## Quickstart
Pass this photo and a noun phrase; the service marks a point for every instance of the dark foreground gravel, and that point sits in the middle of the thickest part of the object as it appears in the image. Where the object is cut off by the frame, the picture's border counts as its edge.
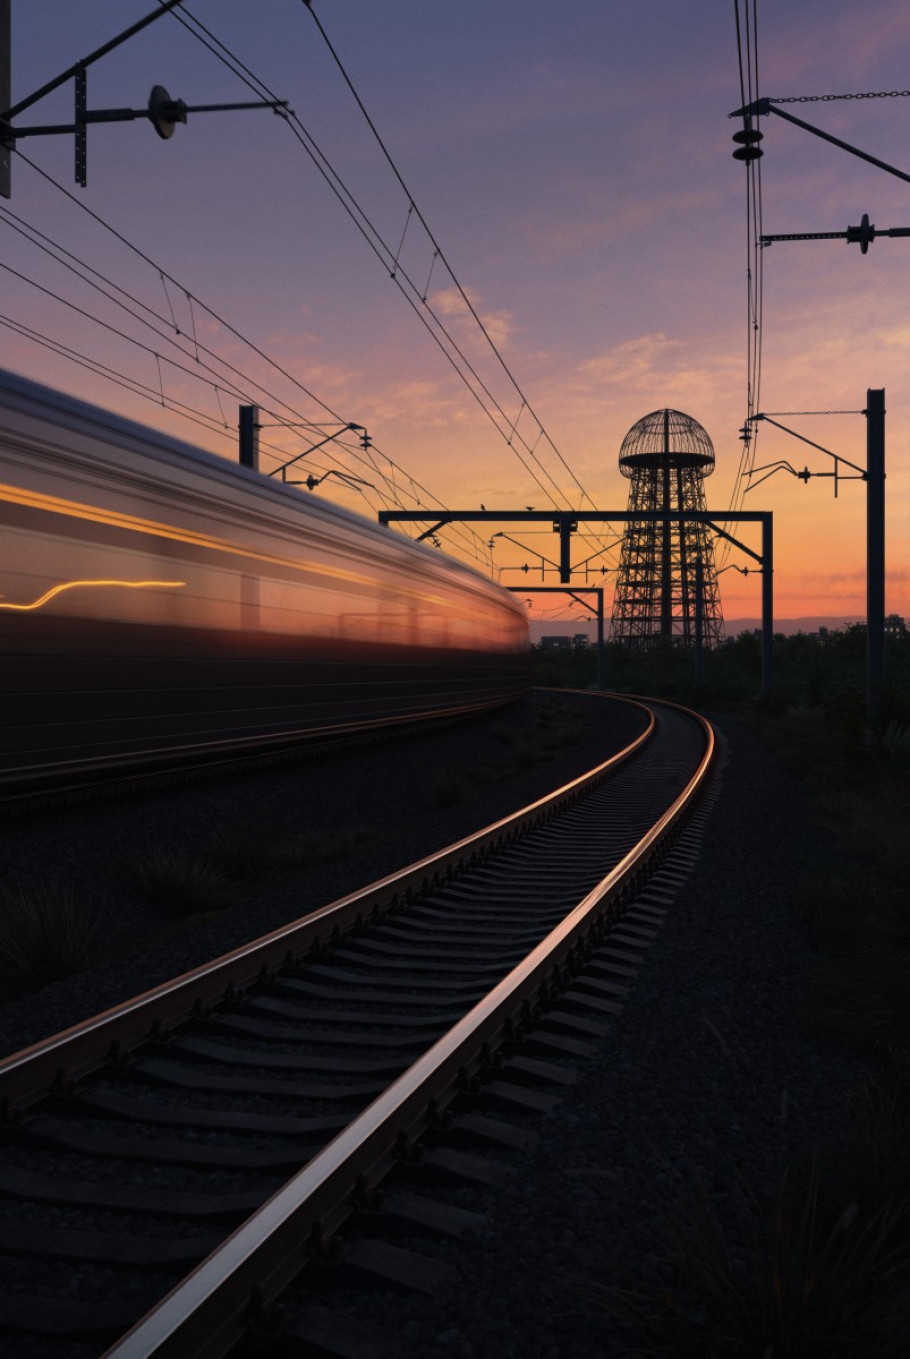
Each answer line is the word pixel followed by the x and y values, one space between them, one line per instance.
pixel 397 792
pixel 707 1072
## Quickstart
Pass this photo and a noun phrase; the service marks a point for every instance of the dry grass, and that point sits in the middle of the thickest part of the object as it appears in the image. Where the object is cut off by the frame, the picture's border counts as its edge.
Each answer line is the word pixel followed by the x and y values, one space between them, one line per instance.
pixel 183 883
pixel 803 1284
pixel 236 864
pixel 45 936
pixel 450 789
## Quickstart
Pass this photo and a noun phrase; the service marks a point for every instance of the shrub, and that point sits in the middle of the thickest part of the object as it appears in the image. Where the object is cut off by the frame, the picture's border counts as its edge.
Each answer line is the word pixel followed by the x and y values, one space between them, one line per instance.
pixel 449 790
pixel 184 883
pixel 805 1284
pixel 45 935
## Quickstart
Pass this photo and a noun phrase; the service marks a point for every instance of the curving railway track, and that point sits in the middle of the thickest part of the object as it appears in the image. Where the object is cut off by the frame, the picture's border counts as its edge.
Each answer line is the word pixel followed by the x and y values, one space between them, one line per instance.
pixel 169 1167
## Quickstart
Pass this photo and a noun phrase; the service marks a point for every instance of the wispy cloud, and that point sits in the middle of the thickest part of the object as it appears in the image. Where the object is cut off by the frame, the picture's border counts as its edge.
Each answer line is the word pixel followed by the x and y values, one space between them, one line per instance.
pixel 499 324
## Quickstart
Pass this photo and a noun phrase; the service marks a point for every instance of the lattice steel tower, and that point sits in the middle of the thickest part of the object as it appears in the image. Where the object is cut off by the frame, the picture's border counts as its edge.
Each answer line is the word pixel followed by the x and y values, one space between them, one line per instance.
pixel 665 566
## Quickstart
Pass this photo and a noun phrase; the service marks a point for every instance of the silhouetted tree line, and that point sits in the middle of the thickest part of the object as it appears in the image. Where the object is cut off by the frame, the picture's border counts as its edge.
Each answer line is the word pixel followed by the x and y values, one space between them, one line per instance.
pixel 826 673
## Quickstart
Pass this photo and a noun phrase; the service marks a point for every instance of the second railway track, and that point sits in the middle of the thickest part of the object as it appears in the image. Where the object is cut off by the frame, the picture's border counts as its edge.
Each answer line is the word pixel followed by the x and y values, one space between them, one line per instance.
pixel 263 1098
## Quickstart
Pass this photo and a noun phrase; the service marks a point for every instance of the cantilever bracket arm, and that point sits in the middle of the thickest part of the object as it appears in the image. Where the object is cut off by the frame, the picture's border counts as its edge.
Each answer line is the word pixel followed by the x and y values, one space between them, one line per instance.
pixel 583 602
pixel 283 467
pixel 735 541
pixel 836 456
pixel 769 468
pixel 761 107
pixel 165 7
pixel 430 531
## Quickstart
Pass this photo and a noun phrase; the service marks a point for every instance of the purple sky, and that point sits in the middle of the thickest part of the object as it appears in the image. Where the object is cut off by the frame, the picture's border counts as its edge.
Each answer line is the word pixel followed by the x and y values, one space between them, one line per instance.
pixel 573 163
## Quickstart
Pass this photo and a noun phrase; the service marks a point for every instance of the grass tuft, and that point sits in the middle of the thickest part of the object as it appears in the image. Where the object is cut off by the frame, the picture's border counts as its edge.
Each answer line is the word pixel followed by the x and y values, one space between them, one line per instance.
pixel 237 863
pixel 805 1284
pixel 449 789
pixel 45 936
pixel 310 849
pixel 183 883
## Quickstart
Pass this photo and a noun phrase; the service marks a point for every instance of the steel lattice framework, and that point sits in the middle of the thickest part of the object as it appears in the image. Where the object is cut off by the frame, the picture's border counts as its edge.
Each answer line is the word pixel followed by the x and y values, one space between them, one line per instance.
pixel 667 583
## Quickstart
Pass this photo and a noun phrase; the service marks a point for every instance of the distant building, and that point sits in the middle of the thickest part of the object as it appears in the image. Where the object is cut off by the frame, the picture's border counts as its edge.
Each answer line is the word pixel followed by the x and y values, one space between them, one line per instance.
pixel 561 642
pixel 895 625
pixel 580 639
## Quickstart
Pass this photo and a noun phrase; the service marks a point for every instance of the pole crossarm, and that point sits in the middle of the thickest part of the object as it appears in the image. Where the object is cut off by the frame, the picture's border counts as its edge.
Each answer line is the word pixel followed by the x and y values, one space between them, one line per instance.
pixel 130 115
pixel 735 541
pixel 561 518
pixel 853 235
pixel 428 533
pixel 165 6
pixel 836 456
pixel 762 107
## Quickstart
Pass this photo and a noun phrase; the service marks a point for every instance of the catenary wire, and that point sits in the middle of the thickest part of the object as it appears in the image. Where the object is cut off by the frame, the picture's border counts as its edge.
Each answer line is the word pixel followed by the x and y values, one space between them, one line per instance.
pixel 439 253
pixel 450 348
pixel 389 258
pixel 471 539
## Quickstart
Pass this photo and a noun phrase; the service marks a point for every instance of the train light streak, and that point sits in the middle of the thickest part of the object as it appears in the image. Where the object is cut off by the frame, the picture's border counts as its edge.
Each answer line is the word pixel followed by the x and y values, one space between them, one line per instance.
pixel 87 584
pixel 53 504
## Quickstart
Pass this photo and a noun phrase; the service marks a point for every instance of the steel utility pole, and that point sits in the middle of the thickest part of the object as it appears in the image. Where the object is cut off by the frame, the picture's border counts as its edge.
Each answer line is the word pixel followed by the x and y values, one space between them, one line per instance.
pixel 6 92
pixel 747 151
pixel 875 554
pixel 874 476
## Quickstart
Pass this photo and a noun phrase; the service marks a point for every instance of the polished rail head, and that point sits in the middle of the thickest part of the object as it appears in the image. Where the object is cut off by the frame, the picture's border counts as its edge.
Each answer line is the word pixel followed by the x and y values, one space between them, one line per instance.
pixel 26 1075
pixel 203 1314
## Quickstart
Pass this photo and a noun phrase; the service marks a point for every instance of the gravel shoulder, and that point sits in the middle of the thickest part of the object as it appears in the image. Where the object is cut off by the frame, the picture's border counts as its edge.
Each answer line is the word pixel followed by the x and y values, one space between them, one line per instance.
pixel 707 1072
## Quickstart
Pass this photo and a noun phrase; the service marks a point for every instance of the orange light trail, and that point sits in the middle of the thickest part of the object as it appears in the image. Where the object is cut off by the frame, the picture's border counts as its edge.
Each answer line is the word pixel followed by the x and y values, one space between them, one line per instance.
pixel 82 584
pixel 74 509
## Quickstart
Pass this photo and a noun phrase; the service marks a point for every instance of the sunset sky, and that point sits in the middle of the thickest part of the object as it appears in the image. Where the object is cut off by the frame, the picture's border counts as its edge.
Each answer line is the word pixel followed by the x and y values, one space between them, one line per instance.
pixel 572 162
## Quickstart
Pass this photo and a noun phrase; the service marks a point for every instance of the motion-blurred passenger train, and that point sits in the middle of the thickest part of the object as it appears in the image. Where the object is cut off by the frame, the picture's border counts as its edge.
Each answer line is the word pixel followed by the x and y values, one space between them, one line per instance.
pixel 157 601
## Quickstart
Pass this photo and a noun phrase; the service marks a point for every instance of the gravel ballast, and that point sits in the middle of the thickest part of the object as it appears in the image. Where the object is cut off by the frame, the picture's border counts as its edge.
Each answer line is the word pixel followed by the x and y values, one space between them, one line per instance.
pixel 707 1071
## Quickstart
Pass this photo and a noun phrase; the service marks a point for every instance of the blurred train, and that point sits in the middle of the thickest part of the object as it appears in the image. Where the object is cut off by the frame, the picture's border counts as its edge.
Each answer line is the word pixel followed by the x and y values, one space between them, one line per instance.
pixel 158 602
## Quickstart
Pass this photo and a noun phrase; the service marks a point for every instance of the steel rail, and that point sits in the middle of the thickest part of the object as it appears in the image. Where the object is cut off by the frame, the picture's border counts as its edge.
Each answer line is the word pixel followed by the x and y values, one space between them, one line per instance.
pixel 25 786
pixel 67 1056
pixel 204 1315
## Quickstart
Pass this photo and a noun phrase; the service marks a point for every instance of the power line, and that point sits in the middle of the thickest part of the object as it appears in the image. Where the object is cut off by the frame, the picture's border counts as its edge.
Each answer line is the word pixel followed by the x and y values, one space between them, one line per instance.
pixel 468 539
pixel 439 253
pixel 416 298
pixel 374 239
pixel 748 65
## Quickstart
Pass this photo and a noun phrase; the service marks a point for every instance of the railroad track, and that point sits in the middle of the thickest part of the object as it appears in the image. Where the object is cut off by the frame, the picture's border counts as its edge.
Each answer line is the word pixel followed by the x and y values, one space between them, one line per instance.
pixel 231 1122
pixel 28 789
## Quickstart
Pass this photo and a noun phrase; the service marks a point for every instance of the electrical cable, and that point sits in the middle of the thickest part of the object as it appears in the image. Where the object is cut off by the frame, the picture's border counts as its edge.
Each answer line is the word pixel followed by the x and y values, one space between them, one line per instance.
pixel 390 261
pixel 454 353
pixel 439 253
pixel 748 64
pixel 471 545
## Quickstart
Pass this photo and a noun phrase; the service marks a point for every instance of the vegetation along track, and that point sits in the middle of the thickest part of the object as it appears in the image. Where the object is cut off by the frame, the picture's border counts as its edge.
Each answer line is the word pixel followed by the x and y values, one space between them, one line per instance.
pixel 134 1143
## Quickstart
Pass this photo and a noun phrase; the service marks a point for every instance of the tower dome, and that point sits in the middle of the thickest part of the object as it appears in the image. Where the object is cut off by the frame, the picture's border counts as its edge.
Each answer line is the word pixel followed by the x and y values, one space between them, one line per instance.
pixel 669 439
